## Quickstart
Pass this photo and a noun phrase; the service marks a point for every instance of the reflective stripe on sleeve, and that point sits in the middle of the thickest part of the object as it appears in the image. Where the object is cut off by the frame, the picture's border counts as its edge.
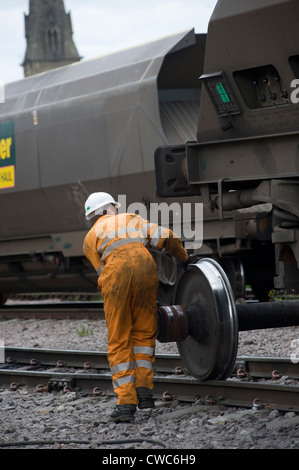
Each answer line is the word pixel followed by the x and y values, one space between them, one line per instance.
pixel 146 228
pixel 156 236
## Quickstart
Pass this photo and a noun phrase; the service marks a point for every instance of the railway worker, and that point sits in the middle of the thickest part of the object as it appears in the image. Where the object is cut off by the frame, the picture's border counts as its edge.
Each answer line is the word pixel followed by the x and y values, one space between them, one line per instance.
pixel 116 247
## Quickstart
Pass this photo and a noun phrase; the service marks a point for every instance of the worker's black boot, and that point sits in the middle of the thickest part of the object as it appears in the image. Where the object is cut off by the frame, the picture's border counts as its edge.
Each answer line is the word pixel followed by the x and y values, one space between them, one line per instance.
pixel 123 414
pixel 145 398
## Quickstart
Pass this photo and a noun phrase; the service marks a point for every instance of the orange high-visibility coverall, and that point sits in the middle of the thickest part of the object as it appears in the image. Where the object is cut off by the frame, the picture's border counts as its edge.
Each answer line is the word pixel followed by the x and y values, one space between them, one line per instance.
pixel 116 247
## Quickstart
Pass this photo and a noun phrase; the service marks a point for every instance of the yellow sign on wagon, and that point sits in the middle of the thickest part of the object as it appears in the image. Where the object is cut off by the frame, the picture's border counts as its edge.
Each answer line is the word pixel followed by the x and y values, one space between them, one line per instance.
pixel 7 177
pixel 7 154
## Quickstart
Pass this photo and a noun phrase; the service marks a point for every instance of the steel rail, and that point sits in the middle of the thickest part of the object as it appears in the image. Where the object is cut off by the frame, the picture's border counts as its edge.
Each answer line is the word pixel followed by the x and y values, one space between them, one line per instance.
pixel 226 392
pixel 245 366
pixel 266 367
pixel 60 311
pixel 234 393
pixel 77 358
pixel 267 394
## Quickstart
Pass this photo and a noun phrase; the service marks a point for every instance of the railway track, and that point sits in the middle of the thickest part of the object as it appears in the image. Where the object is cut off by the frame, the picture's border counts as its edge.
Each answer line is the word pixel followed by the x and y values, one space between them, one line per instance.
pixel 259 382
pixel 256 382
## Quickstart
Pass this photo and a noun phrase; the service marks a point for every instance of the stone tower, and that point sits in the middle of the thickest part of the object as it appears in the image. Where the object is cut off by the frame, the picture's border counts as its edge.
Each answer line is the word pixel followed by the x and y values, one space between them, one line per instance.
pixel 49 35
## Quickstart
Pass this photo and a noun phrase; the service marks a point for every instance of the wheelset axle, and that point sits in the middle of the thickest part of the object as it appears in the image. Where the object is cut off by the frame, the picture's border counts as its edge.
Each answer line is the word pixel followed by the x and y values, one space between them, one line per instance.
pixel 205 321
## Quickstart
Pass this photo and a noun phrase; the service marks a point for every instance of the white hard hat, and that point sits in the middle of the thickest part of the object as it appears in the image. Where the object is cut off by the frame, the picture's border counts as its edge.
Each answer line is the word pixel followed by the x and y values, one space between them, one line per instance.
pixel 96 203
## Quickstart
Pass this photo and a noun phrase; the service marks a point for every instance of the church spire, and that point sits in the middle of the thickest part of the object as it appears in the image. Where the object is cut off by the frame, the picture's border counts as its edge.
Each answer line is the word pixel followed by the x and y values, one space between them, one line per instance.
pixel 49 35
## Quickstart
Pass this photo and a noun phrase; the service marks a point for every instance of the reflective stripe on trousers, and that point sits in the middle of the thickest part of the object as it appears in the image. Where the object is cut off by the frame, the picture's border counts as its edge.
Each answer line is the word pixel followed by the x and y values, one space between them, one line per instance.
pixel 126 366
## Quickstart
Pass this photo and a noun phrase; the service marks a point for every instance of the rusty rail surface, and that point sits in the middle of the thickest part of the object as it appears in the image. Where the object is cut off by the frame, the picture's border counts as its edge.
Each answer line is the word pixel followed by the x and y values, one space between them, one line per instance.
pixel 52 311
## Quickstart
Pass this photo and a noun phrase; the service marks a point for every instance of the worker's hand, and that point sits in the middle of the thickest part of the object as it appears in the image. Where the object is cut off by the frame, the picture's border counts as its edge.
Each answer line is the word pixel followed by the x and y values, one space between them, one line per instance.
pixel 191 260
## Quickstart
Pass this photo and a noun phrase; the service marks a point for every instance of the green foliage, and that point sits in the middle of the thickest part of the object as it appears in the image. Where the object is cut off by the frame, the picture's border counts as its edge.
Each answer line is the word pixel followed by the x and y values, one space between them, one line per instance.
pixel 277 296
pixel 83 330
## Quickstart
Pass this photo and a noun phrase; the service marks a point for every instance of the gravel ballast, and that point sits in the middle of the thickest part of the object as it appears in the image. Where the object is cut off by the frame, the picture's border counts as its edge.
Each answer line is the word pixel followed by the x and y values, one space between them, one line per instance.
pixel 56 420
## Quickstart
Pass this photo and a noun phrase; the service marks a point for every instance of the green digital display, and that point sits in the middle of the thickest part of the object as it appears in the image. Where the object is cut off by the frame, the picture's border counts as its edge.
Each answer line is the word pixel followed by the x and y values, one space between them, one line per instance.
pixel 222 92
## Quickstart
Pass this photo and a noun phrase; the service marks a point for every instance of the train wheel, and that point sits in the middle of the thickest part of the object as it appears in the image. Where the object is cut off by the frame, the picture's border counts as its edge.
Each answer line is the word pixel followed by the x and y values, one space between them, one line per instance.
pixel 3 299
pixel 204 291
pixel 234 270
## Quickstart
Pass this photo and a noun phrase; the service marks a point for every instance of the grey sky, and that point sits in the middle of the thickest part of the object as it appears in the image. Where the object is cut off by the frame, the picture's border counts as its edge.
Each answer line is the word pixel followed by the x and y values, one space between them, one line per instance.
pixel 101 27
